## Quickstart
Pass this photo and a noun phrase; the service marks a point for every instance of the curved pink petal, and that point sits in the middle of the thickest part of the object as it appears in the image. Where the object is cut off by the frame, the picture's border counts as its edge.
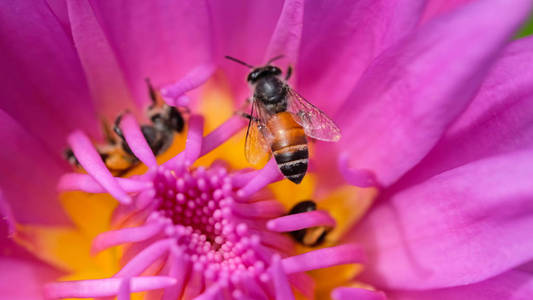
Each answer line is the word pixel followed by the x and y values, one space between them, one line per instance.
pixel 435 8
pixel 41 75
pixel 102 68
pixel 459 227
pixel 341 38
pixel 287 35
pixel 511 285
pixel 497 121
pixel 346 293
pixel 414 90
pixel 28 170
pixel 162 40
pixel 23 279
pixel 243 29
pixel 136 140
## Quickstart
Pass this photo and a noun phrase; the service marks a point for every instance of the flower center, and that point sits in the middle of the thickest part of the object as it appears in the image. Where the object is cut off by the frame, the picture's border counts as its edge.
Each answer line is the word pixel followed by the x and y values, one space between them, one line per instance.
pixel 197 206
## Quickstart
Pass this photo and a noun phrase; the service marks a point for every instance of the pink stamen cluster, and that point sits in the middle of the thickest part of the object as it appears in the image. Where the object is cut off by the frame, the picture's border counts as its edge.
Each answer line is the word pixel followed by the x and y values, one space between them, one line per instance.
pixel 195 232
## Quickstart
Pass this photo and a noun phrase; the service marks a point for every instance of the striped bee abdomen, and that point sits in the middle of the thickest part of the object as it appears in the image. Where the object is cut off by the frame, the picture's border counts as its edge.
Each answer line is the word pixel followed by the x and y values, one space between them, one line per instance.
pixel 289 146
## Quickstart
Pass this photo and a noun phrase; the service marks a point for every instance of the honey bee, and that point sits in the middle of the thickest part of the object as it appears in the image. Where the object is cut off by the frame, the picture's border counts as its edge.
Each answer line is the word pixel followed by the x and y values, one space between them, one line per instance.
pixel 119 159
pixel 281 120
pixel 310 237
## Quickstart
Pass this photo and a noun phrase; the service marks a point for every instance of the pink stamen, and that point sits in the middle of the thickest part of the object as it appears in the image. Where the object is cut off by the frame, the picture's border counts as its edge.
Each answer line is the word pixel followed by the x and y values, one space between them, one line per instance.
pixel 137 142
pixel 144 259
pixel 241 179
pixel 90 160
pixel 179 269
pixel 263 177
pixel 124 289
pixel 279 242
pixel 212 293
pixel 104 287
pixel 195 78
pixel 259 209
pixel 127 235
pixel 356 177
pixel 222 133
pixel 193 145
pixel 195 285
pixel 323 258
pixel 252 289
pixel 301 221
pixel 281 282
pixel 86 183
pixel 347 293
pixel 207 228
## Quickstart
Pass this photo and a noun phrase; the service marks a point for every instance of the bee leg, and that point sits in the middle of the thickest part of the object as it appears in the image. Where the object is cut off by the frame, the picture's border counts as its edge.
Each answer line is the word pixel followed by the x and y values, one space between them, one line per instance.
pixel 289 73
pixel 247 116
pixel 151 91
pixel 116 127
pixel 243 108
pixel 118 131
pixel 71 158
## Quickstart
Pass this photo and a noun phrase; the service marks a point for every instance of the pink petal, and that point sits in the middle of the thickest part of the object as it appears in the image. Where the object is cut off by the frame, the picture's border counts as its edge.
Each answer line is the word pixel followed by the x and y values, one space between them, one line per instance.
pixel 23 279
pixel 511 285
pixel 341 38
pixel 459 227
pixel 287 35
pixel 30 173
pixel 41 75
pixel 414 90
pixel 99 59
pixel 161 39
pixel 435 8
pixel 243 29
pixel 345 293
pixel 104 287
pixel 497 121
pixel 281 282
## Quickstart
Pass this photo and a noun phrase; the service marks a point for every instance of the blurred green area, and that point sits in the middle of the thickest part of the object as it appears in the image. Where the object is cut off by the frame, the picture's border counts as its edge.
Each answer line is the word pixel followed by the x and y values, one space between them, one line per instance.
pixel 527 29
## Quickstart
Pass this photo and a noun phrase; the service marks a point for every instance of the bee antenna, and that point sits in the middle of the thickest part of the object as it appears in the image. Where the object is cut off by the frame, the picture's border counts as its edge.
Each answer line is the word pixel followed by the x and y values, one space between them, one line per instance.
pixel 239 61
pixel 151 90
pixel 273 59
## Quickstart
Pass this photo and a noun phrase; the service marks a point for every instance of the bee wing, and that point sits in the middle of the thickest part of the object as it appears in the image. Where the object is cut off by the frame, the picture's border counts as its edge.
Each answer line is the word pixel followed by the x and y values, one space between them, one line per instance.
pixel 257 144
pixel 314 121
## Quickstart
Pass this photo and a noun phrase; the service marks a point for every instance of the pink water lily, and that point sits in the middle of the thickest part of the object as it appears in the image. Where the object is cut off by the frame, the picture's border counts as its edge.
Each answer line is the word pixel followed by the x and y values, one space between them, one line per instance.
pixel 433 99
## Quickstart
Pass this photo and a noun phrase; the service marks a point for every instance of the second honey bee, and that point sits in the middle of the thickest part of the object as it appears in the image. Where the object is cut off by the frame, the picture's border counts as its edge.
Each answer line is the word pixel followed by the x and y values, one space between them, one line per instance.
pixel 310 237
pixel 281 120
pixel 119 159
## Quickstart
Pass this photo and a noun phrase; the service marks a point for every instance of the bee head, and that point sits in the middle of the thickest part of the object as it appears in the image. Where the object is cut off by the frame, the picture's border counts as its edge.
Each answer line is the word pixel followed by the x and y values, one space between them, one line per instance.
pixel 261 72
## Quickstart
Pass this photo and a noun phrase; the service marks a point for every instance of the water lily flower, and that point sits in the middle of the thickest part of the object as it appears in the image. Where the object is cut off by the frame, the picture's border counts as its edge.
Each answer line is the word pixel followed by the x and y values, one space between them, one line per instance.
pixel 427 193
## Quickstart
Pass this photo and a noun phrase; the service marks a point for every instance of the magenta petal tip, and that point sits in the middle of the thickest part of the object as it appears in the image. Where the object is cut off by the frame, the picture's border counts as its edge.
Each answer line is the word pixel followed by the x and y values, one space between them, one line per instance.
pixel 347 293
pixel 357 177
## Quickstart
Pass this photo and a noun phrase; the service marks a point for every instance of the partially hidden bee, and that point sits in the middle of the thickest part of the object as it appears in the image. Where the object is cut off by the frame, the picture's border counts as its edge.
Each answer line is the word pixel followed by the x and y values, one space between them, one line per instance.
pixel 310 237
pixel 281 120
pixel 119 159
